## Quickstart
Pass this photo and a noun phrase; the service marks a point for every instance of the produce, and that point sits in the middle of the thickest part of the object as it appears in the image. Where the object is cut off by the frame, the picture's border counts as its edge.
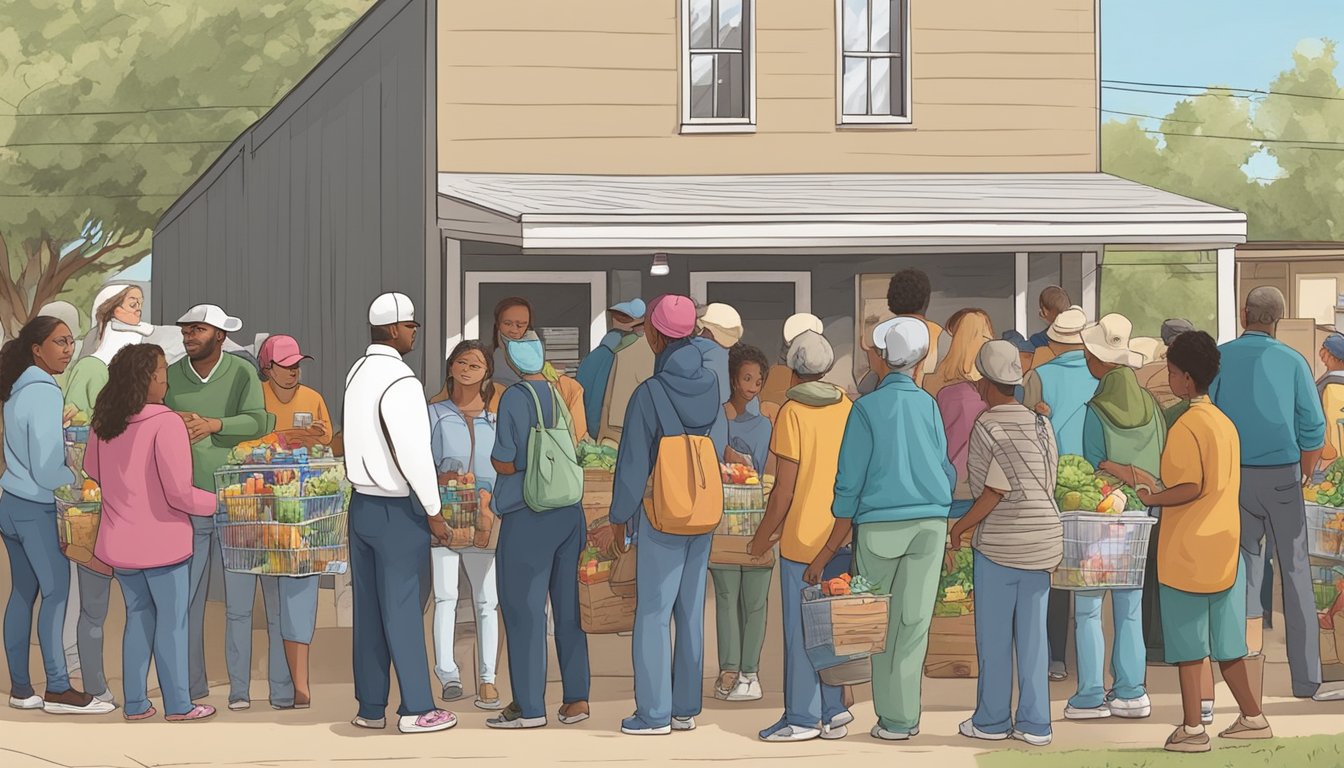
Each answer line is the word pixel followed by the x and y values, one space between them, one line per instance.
pixel 837 587
pixel 1077 487
pixel 861 586
pixel 743 498
pixel 739 474
pixel 594 456
pixel 1330 492
pixel 80 419
pixel 743 523
pixel 956 587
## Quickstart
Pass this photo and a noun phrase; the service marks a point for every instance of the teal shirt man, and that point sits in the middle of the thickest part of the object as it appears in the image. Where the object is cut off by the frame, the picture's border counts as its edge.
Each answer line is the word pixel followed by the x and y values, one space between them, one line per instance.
pixel 1266 389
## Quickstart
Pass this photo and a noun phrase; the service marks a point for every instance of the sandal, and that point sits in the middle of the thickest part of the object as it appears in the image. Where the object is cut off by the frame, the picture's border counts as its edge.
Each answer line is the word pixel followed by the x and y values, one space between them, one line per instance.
pixel 148 713
pixel 197 713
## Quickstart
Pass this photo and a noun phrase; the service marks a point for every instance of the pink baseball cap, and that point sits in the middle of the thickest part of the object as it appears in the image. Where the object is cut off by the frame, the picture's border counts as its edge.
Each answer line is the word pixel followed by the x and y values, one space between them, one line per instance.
pixel 282 350
pixel 673 316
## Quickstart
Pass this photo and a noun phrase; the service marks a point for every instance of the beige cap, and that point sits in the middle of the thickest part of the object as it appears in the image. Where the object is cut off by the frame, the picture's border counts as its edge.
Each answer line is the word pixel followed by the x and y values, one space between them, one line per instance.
pixel 1000 362
pixel 723 323
pixel 1068 326
pixel 1108 341
pixel 1150 349
pixel 800 323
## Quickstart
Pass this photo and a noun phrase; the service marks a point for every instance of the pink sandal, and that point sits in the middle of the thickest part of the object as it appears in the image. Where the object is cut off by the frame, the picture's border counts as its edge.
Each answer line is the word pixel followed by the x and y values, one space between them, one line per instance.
pixel 148 713
pixel 197 713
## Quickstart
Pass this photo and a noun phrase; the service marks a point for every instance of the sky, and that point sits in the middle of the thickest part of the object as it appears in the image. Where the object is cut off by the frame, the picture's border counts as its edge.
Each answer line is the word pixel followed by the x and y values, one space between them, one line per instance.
pixel 1236 43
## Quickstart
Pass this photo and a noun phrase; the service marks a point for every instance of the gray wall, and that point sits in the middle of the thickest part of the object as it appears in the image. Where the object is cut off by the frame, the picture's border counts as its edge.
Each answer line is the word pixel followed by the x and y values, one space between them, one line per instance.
pixel 321 205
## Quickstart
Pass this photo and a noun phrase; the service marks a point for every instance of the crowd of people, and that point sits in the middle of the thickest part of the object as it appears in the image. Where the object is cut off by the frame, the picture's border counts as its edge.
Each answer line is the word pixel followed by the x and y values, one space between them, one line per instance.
pixel 953 438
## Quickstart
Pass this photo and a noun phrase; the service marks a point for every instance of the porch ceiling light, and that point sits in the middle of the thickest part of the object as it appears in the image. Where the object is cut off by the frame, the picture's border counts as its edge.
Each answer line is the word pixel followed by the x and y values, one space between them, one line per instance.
pixel 659 267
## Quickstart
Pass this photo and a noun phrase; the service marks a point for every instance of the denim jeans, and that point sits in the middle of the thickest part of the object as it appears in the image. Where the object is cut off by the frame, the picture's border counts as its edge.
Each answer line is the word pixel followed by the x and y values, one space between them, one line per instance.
pixel 389 569
pixel 95 590
pixel 807 701
pixel 480 566
pixel 1010 607
pixel 1128 656
pixel 36 566
pixel 204 543
pixel 240 594
pixel 157 601
pixel 538 556
pixel 670 582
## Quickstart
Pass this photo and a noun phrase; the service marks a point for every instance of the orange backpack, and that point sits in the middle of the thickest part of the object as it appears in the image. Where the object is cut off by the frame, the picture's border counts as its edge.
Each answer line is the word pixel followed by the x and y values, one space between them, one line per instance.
pixel 685 494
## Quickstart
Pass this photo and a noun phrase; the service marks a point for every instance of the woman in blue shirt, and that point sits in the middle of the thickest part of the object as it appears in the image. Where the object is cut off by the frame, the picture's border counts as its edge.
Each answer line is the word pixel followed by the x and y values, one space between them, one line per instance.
pixel 462 435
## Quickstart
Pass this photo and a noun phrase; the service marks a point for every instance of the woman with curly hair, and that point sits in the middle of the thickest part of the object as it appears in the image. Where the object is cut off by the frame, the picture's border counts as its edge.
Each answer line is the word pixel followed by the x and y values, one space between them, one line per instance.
pixel 140 455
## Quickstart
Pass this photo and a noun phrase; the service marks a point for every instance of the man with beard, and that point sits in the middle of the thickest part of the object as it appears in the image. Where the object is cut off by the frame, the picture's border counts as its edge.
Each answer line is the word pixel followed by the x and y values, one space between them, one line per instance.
pixel 219 397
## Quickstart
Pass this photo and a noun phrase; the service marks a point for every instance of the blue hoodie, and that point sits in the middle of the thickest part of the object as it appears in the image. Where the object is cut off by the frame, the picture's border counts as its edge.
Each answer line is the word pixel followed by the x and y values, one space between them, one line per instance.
pixel 34 440
pixel 594 374
pixel 693 388
pixel 1066 386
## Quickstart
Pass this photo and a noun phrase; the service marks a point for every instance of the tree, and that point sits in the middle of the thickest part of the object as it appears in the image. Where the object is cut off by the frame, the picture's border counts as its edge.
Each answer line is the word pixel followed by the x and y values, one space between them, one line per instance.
pixel 109 109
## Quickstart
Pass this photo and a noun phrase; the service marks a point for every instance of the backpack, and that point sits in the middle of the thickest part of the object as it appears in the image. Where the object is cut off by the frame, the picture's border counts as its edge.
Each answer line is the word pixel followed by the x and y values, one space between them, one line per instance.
pixel 553 478
pixel 686 494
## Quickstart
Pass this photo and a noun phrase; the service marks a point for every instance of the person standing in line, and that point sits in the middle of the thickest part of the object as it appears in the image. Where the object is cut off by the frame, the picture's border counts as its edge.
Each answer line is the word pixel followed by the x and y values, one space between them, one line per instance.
pixel 908 295
pixel 513 321
pixel 1052 302
pixel 140 456
pixel 394 515
pixel 1282 437
pixel 34 468
pixel 1330 387
pixel 219 397
pixel 742 592
pixel 779 379
pixel 683 396
pixel 1153 375
pixel 718 328
pixel 896 495
pixel 954 386
pixel 1018 541
pixel 1025 353
pixel 806 446
pixel 594 374
pixel 462 435
pixel 538 551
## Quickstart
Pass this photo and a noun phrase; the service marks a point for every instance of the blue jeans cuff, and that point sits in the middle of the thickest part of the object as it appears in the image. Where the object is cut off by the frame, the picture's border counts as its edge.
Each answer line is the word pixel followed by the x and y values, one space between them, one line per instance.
pixel 1003 726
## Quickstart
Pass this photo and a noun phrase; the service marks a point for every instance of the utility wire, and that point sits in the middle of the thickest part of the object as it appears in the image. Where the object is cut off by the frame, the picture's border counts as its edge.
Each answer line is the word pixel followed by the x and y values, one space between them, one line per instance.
pixel 1263 92
pixel 146 111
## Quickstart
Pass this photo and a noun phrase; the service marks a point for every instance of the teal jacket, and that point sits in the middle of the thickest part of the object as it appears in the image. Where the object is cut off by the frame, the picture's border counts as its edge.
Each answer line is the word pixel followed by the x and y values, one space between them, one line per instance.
pixel 893 457
pixel 34 440
pixel 1265 388
pixel 1066 386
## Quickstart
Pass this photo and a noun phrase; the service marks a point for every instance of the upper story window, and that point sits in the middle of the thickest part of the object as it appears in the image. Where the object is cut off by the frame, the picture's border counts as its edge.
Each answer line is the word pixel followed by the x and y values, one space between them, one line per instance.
pixel 873 69
pixel 718 81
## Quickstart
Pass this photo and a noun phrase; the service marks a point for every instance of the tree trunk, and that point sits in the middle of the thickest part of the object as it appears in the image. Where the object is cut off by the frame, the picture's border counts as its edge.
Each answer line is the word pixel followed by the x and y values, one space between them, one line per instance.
pixel 45 273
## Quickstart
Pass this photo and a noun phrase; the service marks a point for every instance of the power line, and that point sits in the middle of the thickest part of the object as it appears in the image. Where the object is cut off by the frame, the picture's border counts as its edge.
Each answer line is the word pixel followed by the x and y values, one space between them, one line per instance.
pixel 1174 93
pixel 1263 92
pixel 1332 146
pixel 82 195
pixel 105 143
pixel 1153 117
pixel 146 111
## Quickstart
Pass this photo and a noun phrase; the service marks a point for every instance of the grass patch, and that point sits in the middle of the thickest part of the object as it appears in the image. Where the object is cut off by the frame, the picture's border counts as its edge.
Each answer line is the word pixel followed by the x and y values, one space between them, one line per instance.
pixel 1301 752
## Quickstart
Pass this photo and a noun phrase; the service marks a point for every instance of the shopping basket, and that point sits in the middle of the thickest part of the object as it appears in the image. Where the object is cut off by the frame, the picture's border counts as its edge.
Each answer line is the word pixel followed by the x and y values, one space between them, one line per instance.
pixel 1325 532
pixel 1103 551
pixel 461 510
pixel 283 519
pixel 743 510
pixel 77 526
pixel 843 629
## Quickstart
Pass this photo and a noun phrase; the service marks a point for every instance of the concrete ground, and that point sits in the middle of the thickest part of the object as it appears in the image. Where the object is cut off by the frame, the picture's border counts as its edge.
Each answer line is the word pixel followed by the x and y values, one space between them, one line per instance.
pixel 322 735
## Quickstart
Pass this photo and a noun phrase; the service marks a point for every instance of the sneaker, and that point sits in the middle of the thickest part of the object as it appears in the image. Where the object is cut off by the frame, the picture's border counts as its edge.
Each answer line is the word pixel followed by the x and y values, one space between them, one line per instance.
pixel 1331 694
pixel 633 726
pixel 782 731
pixel 73 702
pixel 1032 739
pixel 512 718
pixel 1181 740
pixel 724 685
pixel 1131 709
pixel 837 729
pixel 968 729
pixel 1206 712
pixel 31 702
pixel 748 688
pixel 1086 713
pixel 487 697
pixel 1058 671
pixel 879 732
pixel 683 724
pixel 430 722
pixel 242 705
pixel 451 691
pixel 573 712
pixel 372 723
pixel 1247 728
pixel 197 714
pixel 106 697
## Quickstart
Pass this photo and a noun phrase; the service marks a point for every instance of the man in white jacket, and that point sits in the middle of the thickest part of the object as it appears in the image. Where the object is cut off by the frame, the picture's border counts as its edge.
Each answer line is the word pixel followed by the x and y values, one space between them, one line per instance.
pixel 394 512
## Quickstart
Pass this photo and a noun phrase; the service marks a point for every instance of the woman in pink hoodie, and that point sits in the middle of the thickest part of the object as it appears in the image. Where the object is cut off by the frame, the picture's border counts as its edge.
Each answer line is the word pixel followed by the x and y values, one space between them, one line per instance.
pixel 140 456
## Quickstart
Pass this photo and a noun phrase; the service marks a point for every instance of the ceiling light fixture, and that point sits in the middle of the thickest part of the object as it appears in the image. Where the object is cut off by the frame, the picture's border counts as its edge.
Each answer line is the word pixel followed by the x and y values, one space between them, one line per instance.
pixel 659 268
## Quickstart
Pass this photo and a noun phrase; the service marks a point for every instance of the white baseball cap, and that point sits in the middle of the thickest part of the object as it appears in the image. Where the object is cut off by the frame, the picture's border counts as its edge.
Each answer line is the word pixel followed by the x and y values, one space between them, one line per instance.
pixel 390 309
pixel 905 342
pixel 211 315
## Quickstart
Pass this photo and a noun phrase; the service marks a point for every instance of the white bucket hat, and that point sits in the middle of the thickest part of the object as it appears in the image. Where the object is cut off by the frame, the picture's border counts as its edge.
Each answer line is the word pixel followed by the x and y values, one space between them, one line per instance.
pixel 723 323
pixel 1068 326
pixel 1108 341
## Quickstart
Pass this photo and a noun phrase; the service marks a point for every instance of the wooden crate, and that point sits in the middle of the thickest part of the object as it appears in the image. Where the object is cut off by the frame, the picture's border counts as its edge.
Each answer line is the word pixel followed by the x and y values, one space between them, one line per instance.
pixel 601 612
pixel 596 494
pixel 952 648
pixel 732 550
pixel 858 625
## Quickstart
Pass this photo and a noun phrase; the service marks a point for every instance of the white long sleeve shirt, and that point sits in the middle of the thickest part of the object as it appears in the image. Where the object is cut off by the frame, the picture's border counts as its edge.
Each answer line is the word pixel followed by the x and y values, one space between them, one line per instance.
pixel 381 391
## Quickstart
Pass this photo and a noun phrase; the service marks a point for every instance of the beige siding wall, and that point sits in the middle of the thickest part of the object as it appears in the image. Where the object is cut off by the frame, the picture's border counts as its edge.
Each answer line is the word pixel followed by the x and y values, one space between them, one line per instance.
pixel 592 86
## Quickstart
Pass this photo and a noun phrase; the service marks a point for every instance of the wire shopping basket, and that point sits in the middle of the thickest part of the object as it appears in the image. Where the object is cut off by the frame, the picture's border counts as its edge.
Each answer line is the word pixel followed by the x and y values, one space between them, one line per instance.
pixel 462 512
pixel 743 510
pixel 1103 551
pixel 283 519
pixel 77 526
pixel 1325 532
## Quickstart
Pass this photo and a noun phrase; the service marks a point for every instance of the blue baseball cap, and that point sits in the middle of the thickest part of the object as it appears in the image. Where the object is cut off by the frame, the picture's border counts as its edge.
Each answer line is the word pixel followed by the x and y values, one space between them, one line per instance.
pixel 1334 344
pixel 634 308
pixel 1024 346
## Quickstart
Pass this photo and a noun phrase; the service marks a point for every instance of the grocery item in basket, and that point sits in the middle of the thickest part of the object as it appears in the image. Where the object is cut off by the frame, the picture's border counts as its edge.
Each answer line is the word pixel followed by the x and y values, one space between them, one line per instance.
pixel 739 474
pixel 956 586
pixel 1077 486
pixel 594 456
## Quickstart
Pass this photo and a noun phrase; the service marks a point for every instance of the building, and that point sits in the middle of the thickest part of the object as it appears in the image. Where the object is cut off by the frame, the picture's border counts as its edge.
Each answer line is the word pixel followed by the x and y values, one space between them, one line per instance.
pixel 784 156
pixel 1311 277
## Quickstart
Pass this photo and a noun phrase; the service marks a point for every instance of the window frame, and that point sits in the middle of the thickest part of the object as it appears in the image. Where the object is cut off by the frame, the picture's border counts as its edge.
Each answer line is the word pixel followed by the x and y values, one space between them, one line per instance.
pixel 746 124
pixel 842 119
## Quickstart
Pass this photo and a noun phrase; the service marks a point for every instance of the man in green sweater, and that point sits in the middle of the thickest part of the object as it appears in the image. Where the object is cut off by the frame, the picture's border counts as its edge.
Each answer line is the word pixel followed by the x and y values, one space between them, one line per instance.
pixel 219 397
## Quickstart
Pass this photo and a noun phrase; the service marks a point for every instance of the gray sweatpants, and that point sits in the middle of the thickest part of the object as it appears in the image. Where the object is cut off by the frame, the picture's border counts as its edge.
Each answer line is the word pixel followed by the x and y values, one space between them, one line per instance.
pixel 1272 508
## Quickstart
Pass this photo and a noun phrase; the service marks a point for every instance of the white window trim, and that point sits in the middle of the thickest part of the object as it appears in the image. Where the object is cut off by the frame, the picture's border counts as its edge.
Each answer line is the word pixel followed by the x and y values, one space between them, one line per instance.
pixel 872 120
pixel 802 284
pixel 718 124
pixel 597 297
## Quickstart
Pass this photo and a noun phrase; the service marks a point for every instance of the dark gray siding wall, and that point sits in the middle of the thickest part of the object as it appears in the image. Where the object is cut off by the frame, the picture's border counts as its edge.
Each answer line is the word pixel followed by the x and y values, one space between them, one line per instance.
pixel 321 205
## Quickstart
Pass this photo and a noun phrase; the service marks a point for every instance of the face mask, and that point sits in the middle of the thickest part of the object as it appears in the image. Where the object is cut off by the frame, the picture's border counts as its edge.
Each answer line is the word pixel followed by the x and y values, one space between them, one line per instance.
pixel 526 355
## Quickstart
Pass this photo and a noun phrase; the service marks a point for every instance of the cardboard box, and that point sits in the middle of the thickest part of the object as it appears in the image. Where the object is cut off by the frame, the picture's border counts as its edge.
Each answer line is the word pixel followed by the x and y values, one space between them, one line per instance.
pixel 596 494
pixel 602 612
pixel 952 648
pixel 732 550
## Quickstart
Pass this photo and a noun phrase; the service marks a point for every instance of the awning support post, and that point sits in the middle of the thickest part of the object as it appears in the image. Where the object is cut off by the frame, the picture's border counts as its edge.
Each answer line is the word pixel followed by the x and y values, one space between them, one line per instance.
pixel 1227 294
pixel 1021 282
pixel 1090 261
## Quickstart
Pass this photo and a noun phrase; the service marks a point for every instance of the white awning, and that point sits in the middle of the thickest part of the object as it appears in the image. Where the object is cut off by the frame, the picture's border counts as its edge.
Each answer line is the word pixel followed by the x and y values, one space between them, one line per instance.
pixel 563 213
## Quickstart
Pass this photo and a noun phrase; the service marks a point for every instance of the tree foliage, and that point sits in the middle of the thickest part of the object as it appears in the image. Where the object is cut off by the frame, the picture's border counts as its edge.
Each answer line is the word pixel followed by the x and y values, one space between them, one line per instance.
pixel 110 108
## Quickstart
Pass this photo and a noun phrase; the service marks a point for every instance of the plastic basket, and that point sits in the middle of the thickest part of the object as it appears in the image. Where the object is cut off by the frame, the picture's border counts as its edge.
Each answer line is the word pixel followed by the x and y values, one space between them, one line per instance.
pixel 742 522
pixel 461 511
pixel 1325 532
pixel 838 630
pixel 289 534
pixel 77 528
pixel 743 498
pixel 1103 551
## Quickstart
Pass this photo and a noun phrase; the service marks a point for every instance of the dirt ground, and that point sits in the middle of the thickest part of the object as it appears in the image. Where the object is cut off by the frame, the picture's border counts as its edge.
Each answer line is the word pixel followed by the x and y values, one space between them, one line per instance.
pixel 322 735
